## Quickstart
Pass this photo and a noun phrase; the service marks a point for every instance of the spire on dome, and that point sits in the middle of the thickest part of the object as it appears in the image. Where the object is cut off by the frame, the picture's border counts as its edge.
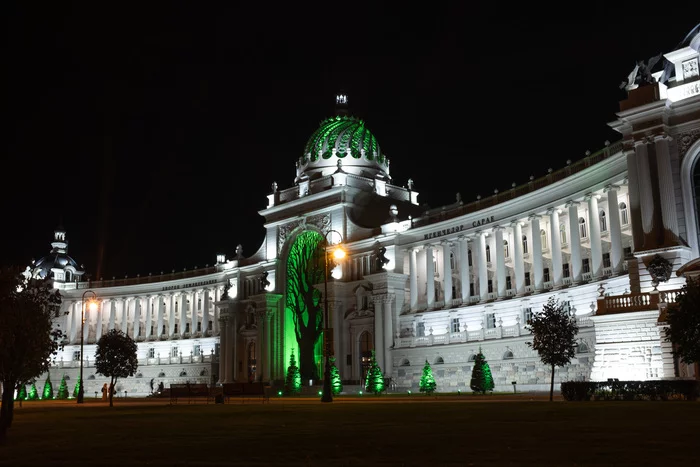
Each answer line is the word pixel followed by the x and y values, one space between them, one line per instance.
pixel 341 103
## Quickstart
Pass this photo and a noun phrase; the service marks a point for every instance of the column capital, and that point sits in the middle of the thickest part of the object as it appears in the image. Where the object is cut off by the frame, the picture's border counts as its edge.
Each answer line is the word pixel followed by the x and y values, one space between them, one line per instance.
pixel 516 223
pixel 463 238
pixel 590 196
pixel 533 217
pixel 610 187
pixel 428 246
pixel 497 228
pixel 571 203
pixel 446 242
pixel 552 210
pixel 662 137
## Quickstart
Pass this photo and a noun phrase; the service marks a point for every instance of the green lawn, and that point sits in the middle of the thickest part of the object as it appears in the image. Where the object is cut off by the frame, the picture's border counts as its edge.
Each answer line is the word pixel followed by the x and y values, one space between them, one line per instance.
pixel 403 432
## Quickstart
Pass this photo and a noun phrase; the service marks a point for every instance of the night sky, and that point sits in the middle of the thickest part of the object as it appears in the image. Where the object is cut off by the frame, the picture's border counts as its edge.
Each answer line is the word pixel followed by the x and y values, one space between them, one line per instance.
pixel 153 131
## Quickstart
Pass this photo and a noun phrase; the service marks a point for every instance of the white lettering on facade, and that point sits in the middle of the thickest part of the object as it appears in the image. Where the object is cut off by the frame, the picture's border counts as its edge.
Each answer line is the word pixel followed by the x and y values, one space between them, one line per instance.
pixel 483 221
pixel 442 232
pixel 193 284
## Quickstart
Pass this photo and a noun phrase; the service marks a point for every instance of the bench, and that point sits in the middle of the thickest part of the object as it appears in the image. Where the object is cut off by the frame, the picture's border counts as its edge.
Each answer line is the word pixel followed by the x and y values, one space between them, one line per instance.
pixel 229 390
pixel 189 391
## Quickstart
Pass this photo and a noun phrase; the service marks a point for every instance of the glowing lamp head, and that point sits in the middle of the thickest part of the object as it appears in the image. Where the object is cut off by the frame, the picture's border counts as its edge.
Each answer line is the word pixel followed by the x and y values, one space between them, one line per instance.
pixel 338 253
pixel 92 305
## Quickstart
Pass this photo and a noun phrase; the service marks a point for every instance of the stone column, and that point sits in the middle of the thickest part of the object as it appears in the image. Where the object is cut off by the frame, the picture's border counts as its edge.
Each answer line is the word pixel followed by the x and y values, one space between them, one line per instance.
pixel 615 229
pixel 379 329
pixel 161 309
pixel 171 316
pixel 223 355
pixel 75 327
pixel 646 197
pixel 86 324
pixel 124 322
pixel 574 242
pixel 430 276
pixel 137 317
pixel 464 267
pixel 233 346
pixel 205 311
pixel 414 278
pixel 388 340
pixel 555 248
pixel 594 236
pixel 447 272
pixel 183 313
pixel 538 272
pixel 483 270
pixel 518 260
pixel 500 262
pixel 666 188
pixel 268 333
pixel 215 321
pixel 148 324
pixel 112 314
pixel 100 318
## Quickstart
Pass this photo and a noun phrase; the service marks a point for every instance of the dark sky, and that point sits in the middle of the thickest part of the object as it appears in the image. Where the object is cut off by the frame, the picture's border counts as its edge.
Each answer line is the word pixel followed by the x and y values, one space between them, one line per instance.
pixel 154 130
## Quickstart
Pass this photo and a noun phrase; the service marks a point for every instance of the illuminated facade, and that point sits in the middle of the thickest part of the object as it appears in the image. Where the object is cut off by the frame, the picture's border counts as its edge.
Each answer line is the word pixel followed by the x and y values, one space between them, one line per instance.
pixel 434 285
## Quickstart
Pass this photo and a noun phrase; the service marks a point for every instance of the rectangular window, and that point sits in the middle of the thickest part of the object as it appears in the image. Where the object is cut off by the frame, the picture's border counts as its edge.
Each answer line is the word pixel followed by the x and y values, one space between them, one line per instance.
pixel 606 260
pixel 76 355
pixel 175 331
pixel 490 286
pixel 187 328
pixel 490 320
pixel 452 261
pixel 420 330
pixel 527 279
pixel 566 306
pixel 174 352
pixel 509 283
pixel 527 314
pixel 197 351
pixel 455 324
pixel 566 270
pixel 546 274
pixel 471 289
pixel 365 302
pixel 586 265
pixel 627 251
pixel 151 353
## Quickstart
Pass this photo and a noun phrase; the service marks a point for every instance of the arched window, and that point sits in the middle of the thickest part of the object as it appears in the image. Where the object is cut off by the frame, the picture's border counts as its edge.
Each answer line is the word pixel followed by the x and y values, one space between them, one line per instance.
pixel 582 347
pixel 508 355
pixel 562 233
pixel 439 361
pixel 603 221
pixel 582 230
pixel 524 245
pixel 488 254
pixel 543 239
pixel 624 216
pixel 505 248
pixel 452 261
pixel 469 256
pixel 405 362
pixel 472 358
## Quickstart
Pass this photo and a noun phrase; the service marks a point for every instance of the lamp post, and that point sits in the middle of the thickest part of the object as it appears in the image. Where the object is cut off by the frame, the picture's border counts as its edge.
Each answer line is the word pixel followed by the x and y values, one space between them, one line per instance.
pixel 93 306
pixel 338 253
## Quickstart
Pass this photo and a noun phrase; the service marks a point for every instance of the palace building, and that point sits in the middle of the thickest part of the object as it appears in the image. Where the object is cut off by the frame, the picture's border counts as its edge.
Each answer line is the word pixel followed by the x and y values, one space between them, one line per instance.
pixel 611 236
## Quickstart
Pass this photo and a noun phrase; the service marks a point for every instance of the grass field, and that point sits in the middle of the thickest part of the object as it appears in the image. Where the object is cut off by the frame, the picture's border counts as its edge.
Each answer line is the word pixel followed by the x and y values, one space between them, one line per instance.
pixel 370 432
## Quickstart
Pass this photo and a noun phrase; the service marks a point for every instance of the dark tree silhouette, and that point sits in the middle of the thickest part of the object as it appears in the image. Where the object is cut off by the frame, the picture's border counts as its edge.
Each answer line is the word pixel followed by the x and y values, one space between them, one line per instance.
pixel 553 336
pixel 28 339
pixel 482 380
pixel 304 269
pixel 116 357
pixel 683 320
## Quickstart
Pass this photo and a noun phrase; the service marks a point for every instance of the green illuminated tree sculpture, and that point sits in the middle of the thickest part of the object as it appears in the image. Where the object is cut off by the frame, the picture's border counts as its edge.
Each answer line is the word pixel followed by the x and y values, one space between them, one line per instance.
pixel 482 380
pixel 553 336
pixel 76 389
pixel 62 389
pixel 47 393
pixel 292 383
pixel 375 380
pixel 336 382
pixel 427 381
pixel 33 393
pixel 22 393
pixel 305 267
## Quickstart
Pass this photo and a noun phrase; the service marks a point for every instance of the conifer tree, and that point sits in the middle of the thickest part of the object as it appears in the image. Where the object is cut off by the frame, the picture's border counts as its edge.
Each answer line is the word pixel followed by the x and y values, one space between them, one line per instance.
pixel 47 393
pixel 76 389
pixel 292 383
pixel 375 379
pixel 482 380
pixel 33 393
pixel 22 393
pixel 427 381
pixel 62 389
pixel 336 382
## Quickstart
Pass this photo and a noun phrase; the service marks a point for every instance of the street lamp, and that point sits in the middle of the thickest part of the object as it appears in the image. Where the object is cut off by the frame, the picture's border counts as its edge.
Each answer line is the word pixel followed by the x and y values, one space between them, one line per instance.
pixel 338 254
pixel 93 307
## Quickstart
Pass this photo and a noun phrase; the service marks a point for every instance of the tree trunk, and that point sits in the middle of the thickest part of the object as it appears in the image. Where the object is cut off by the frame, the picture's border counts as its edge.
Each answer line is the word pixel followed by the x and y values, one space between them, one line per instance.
pixel 7 409
pixel 551 387
pixel 307 364
pixel 112 388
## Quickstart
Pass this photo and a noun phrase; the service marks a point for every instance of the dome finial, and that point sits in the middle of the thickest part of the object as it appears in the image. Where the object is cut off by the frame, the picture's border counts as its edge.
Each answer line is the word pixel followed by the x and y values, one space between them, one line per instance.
pixel 341 103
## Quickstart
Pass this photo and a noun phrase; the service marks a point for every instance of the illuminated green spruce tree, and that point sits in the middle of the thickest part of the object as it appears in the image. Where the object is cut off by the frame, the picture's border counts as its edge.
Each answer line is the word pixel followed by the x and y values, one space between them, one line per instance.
pixel 76 389
pixel 22 393
pixel 47 393
pixel 427 380
pixel 305 268
pixel 33 393
pixel 375 379
pixel 292 383
pixel 336 382
pixel 62 389
pixel 482 380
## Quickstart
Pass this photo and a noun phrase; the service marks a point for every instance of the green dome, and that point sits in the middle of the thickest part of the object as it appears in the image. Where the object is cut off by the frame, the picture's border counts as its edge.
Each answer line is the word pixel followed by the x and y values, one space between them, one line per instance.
pixel 343 141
